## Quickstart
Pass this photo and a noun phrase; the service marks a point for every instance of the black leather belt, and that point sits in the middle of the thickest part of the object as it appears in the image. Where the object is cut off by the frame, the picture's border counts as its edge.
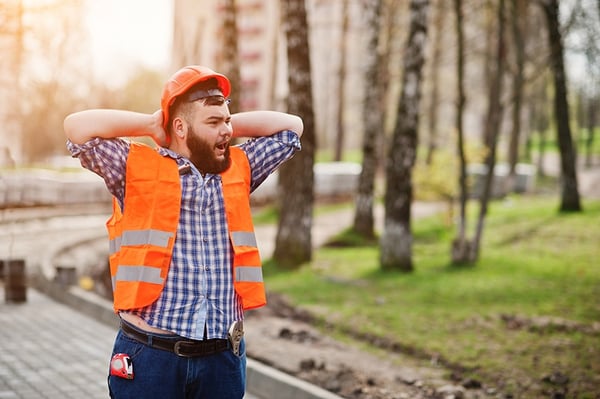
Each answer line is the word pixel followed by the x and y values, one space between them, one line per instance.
pixel 181 347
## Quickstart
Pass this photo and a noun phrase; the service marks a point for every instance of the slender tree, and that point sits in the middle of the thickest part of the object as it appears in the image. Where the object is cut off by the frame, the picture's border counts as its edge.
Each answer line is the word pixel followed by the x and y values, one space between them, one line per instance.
pixel 438 43
pixel 230 61
pixel 518 14
pixel 293 243
pixel 540 119
pixel 373 122
pixel 396 241
pixel 591 122
pixel 492 130
pixel 570 200
pixel 461 246
pixel 341 97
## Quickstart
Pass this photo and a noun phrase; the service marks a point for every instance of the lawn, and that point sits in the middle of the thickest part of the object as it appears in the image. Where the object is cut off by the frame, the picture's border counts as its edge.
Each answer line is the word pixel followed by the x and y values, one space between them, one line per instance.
pixel 525 319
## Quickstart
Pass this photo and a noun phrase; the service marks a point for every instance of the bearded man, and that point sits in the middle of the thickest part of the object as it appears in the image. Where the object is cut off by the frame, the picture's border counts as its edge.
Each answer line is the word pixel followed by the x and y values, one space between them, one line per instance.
pixel 183 256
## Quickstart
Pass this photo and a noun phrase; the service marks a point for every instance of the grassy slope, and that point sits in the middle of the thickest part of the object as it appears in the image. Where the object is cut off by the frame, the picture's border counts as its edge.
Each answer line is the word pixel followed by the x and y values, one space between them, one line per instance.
pixel 527 315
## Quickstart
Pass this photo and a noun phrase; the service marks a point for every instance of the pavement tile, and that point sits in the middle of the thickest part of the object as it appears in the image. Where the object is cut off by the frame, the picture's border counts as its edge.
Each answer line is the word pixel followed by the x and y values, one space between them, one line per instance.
pixel 50 351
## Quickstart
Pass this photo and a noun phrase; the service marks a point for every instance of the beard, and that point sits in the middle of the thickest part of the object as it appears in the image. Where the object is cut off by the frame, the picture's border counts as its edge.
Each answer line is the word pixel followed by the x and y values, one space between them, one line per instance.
pixel 203 155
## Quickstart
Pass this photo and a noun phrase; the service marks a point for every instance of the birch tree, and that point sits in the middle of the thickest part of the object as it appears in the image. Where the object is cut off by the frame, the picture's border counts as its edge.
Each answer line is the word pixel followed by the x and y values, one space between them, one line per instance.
pixel 570 200
pixel 492 129
pixel 373 122
pixel 518 16
pixel 465 250
pixel 230 61
pixel 293 243
pixel 461 246
pixel 435 72
pixel 396 241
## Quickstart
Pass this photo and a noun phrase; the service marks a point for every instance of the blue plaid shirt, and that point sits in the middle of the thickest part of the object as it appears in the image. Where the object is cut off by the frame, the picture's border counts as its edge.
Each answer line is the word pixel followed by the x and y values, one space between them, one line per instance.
pixel 199 290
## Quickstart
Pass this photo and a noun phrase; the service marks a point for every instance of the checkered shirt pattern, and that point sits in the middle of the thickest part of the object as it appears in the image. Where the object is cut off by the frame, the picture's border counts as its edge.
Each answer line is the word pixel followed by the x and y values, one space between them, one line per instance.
pixel 199 290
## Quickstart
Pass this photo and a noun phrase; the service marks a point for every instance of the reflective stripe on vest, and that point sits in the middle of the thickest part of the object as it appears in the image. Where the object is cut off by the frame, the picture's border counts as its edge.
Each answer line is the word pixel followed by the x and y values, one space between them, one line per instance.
pixel 248 273
pixel 140 237
pixel 145 274
pixel 243 238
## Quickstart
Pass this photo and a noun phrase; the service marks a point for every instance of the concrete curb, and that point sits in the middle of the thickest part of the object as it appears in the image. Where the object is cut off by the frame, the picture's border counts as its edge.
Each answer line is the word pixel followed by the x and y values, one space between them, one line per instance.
pixel 267 382
pixel 262 380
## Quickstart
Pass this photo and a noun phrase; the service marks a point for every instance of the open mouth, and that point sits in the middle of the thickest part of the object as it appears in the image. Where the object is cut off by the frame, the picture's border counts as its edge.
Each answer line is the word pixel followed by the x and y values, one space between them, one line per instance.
pixel 222 146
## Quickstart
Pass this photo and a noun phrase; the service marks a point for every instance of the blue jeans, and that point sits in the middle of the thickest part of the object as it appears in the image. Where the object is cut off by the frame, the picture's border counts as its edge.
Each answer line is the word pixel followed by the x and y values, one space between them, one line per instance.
pixel 162 374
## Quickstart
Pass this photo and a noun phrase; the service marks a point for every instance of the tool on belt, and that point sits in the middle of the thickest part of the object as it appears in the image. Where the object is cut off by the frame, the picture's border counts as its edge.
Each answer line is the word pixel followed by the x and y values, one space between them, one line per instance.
pixel 235 335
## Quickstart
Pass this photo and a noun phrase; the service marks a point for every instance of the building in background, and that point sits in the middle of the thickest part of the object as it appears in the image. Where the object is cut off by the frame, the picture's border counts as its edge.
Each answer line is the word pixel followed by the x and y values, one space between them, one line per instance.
pixel 197 33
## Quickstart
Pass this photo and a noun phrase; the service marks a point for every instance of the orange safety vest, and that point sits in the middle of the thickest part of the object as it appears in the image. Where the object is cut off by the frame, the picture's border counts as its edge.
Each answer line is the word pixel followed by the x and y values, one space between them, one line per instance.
pixel 142 239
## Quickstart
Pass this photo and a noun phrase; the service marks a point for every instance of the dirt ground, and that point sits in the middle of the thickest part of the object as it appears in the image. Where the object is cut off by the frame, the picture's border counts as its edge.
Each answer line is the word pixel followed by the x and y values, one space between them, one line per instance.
pixel 284 338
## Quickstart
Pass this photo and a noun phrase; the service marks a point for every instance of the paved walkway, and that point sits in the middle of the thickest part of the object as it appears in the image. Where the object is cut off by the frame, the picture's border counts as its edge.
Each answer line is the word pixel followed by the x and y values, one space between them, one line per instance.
pixel 49 350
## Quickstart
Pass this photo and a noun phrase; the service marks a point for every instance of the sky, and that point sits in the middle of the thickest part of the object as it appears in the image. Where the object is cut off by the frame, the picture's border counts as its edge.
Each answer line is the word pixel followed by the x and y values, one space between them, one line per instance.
pixel 128 33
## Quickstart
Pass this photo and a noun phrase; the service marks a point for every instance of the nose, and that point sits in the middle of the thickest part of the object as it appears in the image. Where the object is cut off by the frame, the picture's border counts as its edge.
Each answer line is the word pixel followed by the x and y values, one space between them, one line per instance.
pixel 226 130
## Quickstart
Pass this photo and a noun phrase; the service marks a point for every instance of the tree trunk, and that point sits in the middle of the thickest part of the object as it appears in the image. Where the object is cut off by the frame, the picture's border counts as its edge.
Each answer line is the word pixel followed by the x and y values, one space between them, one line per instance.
pixel 396 242
pixel 490 36
pixel 293 244
pixel 341 97
pixel 541 168
pixel 518 16
pixel 389 14
pixel 461 247
pixel 570 200
pixel 230 62
pixel 492 130
pixel 538 119
pixel 591 123
pixel 438 42
pixel 373 122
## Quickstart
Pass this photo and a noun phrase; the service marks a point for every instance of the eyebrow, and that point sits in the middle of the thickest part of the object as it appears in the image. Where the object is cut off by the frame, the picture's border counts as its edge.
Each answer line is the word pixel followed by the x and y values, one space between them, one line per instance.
pixel 213 118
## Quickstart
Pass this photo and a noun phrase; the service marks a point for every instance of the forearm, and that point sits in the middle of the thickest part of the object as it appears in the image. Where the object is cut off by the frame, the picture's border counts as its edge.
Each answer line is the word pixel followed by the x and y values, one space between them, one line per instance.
pixel 264 123
pixel 83 126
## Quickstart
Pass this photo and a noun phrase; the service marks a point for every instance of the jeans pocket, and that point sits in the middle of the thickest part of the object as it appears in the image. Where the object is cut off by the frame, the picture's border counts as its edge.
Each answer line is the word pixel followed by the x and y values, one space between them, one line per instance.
pixel 124 344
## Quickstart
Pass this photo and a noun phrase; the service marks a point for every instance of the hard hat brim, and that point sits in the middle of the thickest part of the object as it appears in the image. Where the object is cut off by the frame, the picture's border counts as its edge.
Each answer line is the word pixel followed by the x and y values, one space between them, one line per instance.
pixel 184 79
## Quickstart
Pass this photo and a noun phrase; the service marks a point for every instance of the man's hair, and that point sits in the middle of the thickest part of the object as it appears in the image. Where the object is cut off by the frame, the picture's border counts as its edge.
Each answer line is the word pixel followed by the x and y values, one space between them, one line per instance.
pixel 183 106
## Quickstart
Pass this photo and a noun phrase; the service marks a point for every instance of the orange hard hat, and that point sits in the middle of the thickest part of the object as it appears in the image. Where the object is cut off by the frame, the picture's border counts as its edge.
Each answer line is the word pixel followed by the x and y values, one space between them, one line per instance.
pixel 182 80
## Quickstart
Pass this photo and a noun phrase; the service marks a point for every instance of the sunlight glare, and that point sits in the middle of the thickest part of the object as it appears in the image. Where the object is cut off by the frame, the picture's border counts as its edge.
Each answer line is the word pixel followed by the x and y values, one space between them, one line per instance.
pixel 128 34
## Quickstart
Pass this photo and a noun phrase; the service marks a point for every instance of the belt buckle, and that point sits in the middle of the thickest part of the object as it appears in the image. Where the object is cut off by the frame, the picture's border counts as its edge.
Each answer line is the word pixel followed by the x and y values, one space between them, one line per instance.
pixel 177 349
pixel 235 335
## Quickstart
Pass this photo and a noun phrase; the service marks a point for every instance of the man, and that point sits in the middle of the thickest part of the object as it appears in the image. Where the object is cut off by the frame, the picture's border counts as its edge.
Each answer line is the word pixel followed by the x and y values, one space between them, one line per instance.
pixel 183 256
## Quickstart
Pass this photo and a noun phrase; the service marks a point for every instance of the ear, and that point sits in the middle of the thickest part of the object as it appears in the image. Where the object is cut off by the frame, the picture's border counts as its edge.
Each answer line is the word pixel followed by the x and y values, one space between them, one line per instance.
pixel 179 127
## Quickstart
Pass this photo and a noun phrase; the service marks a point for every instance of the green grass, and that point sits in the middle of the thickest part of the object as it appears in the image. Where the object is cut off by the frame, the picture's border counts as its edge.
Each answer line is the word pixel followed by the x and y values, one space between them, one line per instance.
pixel 535 263
pixel 265 215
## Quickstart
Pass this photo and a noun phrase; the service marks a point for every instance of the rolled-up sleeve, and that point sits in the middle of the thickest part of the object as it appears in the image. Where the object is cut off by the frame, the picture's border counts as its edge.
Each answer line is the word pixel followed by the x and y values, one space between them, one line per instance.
pixel 266 154
pixel 106 158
